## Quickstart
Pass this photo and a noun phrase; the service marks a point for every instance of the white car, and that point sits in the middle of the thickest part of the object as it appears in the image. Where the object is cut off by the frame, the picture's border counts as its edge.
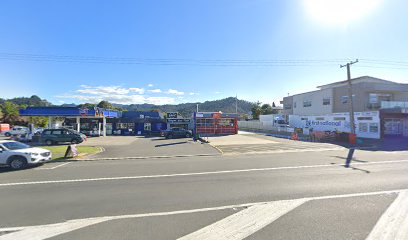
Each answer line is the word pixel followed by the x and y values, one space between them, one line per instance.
pixel 16 130
pixel 18 155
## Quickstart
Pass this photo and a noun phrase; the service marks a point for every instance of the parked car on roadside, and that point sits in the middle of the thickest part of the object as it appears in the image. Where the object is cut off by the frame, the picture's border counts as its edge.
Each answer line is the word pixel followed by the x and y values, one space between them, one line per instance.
pixel 18 155
pixel 55 136
pixel 176 133
pixel 16 130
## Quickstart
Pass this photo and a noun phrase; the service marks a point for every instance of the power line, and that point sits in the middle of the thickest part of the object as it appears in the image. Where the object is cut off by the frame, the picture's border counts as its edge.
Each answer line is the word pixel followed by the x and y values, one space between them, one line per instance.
pixel 166 61
pixel 78 59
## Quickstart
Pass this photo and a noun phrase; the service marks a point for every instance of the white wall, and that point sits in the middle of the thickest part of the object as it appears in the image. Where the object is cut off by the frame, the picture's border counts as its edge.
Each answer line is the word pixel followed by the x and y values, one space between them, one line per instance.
pixel 331 123
pixel 316 97
pixel 257 125
pixel 270 117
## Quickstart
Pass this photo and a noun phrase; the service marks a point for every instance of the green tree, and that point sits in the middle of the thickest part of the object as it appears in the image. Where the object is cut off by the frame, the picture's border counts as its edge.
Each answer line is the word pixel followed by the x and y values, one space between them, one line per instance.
pixel 10 112
pixel 39 121
pixel 256 110
pixel 105 104
pixel 86 105
pixel 266 109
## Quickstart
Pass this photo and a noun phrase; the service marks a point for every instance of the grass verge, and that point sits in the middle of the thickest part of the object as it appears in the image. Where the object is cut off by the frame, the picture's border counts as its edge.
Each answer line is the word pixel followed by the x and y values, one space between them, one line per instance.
pixel 58 152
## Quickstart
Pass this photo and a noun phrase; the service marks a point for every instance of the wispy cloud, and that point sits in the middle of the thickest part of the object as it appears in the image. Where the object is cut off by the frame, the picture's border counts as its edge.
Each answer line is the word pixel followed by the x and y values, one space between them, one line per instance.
pixel 150 85
pixel 121 99
pixel 121 95
pixel 103 90
pixel 137 90
pixel 160 100
pixel 155 90
pixel 193 93
pixel 175 92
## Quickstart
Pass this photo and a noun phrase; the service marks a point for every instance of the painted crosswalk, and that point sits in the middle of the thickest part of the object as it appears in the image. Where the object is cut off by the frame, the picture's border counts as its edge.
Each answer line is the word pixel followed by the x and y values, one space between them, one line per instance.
pixel 275 148
pixel 248 219
pixel 245 222
pixel 393 224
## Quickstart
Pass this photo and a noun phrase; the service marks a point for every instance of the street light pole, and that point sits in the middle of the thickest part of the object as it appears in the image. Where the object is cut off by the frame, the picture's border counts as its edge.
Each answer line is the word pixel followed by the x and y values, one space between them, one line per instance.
pixel 350 96
pixel 197 107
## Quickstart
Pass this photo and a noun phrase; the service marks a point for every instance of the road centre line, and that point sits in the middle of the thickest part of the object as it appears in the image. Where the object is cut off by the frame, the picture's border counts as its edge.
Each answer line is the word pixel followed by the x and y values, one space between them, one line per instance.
pixel 194 173
pixel 68 224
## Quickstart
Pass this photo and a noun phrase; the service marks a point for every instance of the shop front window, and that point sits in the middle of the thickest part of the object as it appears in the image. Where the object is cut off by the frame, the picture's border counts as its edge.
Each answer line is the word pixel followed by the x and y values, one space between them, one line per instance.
pixel 373 127
pixel 226 122
pixel 363 127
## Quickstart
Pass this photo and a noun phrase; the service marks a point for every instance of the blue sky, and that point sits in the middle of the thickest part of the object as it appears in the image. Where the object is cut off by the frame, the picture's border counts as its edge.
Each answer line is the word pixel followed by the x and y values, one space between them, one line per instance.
pixel 252 31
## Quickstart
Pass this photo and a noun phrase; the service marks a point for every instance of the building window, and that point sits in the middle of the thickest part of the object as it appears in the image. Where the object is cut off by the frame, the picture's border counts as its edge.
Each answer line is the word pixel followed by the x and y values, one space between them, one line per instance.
pixel 374 98
pixel 373 127
pixel 365 118
pixel 326 101
pixel 339 119
pixel 125 125
pixel 363 127
pixel 294 105
pixel 320 118
pixel 344 99
pixel 304 119
pixel 287 106
pixel 307 103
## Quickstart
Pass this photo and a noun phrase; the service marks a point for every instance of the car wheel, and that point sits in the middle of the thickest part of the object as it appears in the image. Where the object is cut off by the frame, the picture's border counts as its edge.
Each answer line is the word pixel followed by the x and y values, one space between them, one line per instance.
pixel 188 135
pixel 48 142
pixel 7 134
pixel 17 163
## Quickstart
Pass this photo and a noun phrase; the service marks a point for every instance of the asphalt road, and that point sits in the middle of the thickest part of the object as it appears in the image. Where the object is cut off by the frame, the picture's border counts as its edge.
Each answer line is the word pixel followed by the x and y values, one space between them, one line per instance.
pixel 138 146
pixel 286 195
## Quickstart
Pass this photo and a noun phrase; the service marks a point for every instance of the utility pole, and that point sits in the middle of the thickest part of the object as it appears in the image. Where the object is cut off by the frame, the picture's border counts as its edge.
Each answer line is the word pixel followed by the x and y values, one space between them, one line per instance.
pixel 350 96
pixel 197 107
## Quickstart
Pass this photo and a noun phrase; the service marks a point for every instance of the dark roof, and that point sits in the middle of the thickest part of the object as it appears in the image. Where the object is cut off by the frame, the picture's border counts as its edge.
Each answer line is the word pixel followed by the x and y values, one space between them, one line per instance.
pixel 353 80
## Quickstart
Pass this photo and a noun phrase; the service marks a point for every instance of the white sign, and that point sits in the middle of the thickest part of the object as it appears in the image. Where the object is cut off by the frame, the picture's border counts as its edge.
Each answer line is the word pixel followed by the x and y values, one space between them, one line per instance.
pixel 367 124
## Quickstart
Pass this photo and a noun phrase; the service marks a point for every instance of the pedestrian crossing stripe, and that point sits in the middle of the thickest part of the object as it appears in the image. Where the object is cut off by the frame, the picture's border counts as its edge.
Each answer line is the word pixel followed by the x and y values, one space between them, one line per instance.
pixel 393 224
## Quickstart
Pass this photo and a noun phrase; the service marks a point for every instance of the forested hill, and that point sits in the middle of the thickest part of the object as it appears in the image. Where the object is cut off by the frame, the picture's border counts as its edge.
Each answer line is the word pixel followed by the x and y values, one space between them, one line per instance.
pixel 226 105
pixel 33 101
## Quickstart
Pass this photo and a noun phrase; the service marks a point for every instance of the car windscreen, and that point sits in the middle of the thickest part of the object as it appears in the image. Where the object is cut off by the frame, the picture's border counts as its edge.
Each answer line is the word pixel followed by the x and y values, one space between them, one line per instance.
pixel 15 145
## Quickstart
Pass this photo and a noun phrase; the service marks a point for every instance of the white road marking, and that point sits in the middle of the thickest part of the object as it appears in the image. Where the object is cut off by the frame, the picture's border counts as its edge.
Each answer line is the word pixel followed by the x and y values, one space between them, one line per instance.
pixel 51 230
pixel 50 168
pixel 246 222
pixel 89 221
pixel 393 224
pixel 284 151
pixel 193 173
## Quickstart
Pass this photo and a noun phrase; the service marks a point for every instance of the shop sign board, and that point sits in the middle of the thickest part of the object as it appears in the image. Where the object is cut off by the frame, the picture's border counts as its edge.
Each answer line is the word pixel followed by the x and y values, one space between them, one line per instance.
pixel 367 123
pixel 172 115
pixel 83 111
pixel 179 120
